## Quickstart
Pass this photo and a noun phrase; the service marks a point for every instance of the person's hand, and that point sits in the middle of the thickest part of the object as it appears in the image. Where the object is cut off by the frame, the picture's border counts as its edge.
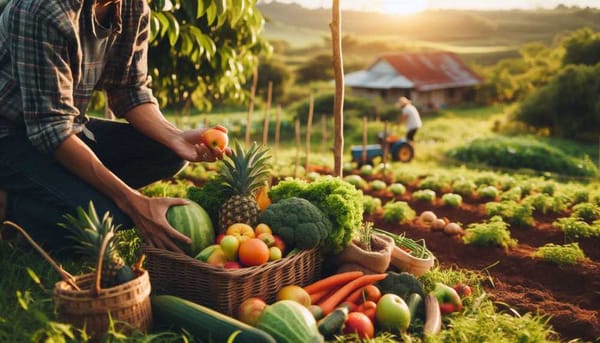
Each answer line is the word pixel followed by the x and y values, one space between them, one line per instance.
pixel 192 148
pixel 150 218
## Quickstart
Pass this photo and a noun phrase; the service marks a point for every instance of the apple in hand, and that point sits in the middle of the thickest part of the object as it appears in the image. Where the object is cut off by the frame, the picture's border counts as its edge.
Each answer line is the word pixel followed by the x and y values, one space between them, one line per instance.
pixel 216 137
pixel 392 313
pixel 250 310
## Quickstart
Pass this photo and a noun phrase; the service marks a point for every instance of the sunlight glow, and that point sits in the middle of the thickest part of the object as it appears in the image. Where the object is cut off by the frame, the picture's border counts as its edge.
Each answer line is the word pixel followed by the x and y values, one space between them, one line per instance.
pixel 401 7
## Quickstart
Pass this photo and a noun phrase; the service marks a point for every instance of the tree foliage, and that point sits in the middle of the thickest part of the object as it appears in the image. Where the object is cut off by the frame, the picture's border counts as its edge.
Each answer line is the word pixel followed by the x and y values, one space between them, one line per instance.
pixel 203 51
pixel 582 47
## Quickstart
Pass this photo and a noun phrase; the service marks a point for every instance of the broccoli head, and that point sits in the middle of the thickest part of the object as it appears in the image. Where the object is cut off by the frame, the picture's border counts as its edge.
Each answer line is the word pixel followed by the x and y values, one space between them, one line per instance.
pixel 298 222
pixel 402 284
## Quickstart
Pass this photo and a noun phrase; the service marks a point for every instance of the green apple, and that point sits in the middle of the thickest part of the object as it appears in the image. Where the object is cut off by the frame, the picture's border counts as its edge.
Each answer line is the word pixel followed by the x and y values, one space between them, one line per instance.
pixel 392 313
pixel 275 254
pixel 230 245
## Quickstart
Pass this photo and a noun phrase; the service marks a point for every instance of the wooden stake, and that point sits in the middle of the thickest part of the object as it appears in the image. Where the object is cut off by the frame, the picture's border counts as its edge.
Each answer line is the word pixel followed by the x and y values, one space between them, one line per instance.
pixel 364 142
pixel 267 113
pixel 277 131
pixel 297 131
pixel 251 105
pixel 338 104
pixel 311 110
pixel 385 146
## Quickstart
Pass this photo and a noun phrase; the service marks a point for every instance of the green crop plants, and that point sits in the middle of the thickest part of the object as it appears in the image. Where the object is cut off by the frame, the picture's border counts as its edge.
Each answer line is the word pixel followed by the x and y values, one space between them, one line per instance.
pixel 464 187
pixel 371 204
pixel 424 195
pixel 513 194
pixel 586 211
pixel 575 228
pixel 177 189
pixel 492 233
pixel 452 199
pixel 487 179
pixel 512 211
pixel 398 212
pixel 561 254
pixel 377 185
pixel 439 183
pixel 488 192
pixel 397 188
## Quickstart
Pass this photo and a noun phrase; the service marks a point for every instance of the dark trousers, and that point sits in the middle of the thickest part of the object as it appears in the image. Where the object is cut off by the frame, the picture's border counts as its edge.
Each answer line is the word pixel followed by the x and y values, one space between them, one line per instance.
pixel 40 190
pixel 410 135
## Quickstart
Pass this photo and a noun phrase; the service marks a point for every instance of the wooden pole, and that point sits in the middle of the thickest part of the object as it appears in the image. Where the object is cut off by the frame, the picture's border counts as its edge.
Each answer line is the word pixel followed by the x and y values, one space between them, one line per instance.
pixel 323 134
pixel 251 105
pixel 277 132
pixel 338 104
pixel 297 131
pixel 267 113
pixel 311 110
pixel 364 141
pixel 385 146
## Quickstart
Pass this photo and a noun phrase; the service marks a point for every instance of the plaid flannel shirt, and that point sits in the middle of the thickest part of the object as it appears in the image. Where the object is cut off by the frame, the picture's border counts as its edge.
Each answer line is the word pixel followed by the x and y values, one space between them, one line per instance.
pixel 53 54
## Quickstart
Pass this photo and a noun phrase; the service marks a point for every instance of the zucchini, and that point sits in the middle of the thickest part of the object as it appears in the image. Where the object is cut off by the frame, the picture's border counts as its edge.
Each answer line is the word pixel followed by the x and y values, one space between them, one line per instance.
pixel 414 302
pixel 333 322
pixel 203 322
pixel 433 316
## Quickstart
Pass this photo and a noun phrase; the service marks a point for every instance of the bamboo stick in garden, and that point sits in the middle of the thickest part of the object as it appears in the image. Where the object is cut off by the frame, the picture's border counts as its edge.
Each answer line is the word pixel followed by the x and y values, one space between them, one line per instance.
pixel 338 103
pixel 277 132
pixel 267 113
pixel 311 110
pixel 363 156
pixel 251 105
pixel 297 131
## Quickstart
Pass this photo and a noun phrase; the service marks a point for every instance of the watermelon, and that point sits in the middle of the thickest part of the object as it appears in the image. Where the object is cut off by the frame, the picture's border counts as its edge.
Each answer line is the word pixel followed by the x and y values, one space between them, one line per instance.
pixel 193 221
pixel 289 322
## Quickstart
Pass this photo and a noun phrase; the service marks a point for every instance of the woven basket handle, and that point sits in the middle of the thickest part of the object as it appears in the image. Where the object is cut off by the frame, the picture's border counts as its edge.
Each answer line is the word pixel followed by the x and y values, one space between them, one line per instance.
pixel 68 278
pixel 105 242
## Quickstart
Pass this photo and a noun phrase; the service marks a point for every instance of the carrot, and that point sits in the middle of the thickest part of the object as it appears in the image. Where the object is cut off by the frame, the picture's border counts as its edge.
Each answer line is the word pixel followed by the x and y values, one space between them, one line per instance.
pixel 336 298
pixel 315 297
pixel 332 281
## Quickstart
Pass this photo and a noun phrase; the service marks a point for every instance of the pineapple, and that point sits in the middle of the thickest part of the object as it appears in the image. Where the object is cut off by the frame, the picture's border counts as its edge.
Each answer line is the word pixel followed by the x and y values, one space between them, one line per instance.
pixel 89 232
pixel 243 173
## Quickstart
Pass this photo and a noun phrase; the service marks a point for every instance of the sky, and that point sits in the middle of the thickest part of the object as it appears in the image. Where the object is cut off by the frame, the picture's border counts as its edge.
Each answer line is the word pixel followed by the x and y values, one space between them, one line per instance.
pixel 414 6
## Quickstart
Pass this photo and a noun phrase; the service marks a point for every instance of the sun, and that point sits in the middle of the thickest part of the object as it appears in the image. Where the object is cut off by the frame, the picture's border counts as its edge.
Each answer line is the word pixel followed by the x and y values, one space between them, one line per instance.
pixel 402 7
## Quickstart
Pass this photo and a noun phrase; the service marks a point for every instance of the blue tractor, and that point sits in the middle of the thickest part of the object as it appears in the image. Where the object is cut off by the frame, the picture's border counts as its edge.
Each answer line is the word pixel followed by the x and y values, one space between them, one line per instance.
pixel 399 149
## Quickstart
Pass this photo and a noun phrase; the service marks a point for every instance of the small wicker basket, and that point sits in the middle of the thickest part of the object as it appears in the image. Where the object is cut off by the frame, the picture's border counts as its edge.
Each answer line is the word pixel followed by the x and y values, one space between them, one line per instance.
pixel 80 300
pixel 224 289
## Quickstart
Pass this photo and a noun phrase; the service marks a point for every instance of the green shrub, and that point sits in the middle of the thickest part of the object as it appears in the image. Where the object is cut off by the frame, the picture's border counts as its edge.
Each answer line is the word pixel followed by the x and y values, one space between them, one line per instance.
pixel 464 187
pixel 575 228
pixel 493 233
pixel 452 199
pixel 438 183
pixel 586 211
pixel 511 211
pixel 488 192
pixel 371 204
pixel 398 212
pixel 424 195
pixel 561 254
pixel 518 153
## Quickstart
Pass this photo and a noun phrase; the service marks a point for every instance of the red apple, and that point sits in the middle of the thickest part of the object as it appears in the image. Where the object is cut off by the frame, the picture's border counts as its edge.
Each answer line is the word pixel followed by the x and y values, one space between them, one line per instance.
pixel 250 310
pixel 463 290
pixel 232 265
pixel 294 293
pixel 219 238
pixel 279 243
pixel 360 324
pixel 392 313
pixel 215 138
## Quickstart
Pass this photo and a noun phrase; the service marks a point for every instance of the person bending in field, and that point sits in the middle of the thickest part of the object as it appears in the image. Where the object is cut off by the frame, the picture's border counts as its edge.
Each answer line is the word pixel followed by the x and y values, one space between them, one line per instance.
pixel 53 158
pixel 410 115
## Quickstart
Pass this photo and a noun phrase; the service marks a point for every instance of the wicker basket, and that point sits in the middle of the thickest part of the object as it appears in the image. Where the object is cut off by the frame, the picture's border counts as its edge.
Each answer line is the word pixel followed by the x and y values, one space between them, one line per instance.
pixel 128 304
pixel 224 289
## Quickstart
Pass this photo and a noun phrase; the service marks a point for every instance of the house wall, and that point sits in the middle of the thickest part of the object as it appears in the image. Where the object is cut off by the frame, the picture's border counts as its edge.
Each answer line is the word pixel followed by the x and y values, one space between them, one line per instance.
pixel 425 101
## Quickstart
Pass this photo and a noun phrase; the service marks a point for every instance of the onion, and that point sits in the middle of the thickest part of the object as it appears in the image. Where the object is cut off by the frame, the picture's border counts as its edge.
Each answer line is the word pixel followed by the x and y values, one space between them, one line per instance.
pixel 428 217
pixel 453 229
pixel 438 224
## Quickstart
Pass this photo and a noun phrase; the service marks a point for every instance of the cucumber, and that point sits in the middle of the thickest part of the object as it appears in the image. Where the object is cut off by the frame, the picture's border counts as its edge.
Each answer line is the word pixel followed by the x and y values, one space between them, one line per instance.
pixel 415 304
pixel 333 322
pixel 203 322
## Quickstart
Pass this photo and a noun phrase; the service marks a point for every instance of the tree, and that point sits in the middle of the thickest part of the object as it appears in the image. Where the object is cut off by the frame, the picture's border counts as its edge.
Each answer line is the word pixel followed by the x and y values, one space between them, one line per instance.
pixel 582 47
pixel 276 71
pixel 317 68
pixel 203 51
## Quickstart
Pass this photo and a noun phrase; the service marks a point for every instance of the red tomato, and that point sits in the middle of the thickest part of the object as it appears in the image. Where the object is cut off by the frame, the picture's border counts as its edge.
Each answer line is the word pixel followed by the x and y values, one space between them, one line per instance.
pixel 463 290
pixel 359 323
pixel 372 293
pixel 369 308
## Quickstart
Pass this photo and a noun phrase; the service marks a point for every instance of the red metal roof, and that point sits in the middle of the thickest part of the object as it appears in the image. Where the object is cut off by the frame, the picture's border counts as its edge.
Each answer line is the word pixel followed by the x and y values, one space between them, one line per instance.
pixel 432 70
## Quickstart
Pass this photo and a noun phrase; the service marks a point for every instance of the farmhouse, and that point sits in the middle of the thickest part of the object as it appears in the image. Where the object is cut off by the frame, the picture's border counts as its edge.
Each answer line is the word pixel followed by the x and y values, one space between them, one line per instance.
pixel 430 79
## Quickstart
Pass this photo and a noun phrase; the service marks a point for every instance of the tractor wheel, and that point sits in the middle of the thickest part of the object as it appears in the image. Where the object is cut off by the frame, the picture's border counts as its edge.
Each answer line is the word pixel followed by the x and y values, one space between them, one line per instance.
pixel 404 153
